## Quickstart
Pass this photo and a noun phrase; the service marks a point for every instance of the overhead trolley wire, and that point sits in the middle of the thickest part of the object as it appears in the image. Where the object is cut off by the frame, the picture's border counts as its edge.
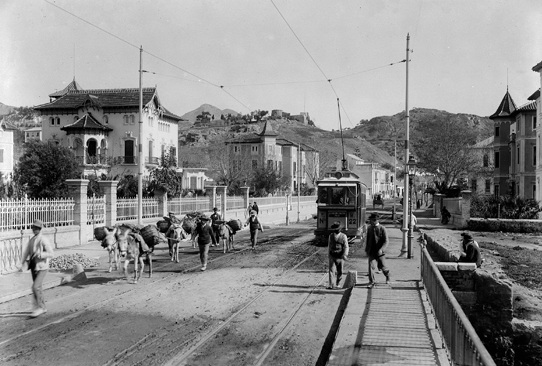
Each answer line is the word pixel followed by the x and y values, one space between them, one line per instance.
pixel 221 87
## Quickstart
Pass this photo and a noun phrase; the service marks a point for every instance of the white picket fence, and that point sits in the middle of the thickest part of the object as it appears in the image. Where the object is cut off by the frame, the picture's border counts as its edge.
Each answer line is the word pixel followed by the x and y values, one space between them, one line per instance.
pixel 127 208
pixel 19 214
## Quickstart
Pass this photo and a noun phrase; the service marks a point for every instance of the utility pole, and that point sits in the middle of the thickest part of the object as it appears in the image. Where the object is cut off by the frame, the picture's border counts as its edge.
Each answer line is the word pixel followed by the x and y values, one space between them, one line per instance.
pixel 405 252
pixel 140 148
pixel 299 178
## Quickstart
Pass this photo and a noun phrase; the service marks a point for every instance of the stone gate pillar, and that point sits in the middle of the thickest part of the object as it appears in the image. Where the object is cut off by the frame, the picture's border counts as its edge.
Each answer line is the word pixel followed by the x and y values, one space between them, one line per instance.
pixel 109 188
pixel 466 197
pixel 161 197
pixel 211 193
pixel 77 189
pixel 245 191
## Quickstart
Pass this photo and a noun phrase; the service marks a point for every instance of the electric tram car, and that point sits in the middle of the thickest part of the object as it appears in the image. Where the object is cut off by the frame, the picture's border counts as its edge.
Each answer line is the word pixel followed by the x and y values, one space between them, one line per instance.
pixel 342 198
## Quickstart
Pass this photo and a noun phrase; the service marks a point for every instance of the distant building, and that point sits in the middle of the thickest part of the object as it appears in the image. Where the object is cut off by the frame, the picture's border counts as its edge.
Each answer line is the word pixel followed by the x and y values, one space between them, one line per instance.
pixel 6 150
pixel 481 181
pixel 376 178
pixel 503 118
pixel 536 97
pixel 523 151
pixel 194 178
pixel 297 162
pixel 32 134
pixel 101 126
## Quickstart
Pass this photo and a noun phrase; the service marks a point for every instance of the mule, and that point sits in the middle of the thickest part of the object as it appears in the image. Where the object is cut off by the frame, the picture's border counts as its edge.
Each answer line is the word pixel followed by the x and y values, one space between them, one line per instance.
pixel 111 245
pixel 225 234
pixel 129 249
pixel 174 235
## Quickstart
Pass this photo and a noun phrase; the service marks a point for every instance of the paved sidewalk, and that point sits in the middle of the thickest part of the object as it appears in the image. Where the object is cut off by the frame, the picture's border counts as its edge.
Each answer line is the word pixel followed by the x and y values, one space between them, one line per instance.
pixel 390 324
pixel 19 284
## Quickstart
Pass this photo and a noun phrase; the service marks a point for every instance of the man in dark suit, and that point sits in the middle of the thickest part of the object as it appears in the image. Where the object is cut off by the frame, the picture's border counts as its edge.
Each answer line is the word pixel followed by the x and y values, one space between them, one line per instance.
pixel 377 242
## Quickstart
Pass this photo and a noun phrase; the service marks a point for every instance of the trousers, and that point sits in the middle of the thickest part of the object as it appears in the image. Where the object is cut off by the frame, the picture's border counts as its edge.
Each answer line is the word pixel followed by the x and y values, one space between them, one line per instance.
pixel 37 286
pixel 377 262
pixel 336 266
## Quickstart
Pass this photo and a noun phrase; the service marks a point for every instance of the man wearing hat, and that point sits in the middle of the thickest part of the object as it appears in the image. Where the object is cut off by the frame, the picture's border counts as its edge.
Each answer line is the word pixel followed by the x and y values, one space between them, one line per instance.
pixel 254 225
pixel 338 253
pixel 206 236
pixel 36 255
pixel 214 218
pixel 377 242
pixel 471 250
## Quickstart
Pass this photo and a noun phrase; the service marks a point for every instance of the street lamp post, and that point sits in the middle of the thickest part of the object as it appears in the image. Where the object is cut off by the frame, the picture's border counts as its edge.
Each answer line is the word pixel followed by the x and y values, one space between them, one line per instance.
pixel 411 175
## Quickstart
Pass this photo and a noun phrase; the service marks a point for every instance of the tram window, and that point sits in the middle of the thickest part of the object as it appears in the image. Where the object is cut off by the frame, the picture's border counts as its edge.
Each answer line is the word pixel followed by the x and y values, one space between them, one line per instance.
pixel 337 195
pixel 322 196
pixel 350 195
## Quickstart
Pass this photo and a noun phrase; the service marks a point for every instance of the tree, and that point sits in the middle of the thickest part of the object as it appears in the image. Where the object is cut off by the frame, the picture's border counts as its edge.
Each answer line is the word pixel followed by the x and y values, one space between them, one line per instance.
pixel 43 169
pixel 267 180
pixel 445 151
pixel 165 177
pixel 228 169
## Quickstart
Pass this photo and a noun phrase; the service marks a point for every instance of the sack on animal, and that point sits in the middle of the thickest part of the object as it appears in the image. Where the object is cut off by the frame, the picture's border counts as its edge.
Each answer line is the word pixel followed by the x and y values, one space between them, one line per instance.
pixel 162 226
pixel 151 235
pixel 101 232
pixel 235 225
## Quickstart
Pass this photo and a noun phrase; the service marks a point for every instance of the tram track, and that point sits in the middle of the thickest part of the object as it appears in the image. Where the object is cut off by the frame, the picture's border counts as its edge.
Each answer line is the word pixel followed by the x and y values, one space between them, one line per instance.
pixel 154 336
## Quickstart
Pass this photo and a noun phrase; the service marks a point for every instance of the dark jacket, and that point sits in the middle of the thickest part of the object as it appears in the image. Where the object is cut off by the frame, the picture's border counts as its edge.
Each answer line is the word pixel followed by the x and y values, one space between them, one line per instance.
pixel 377 239
pixel 253 223
pixel 205 234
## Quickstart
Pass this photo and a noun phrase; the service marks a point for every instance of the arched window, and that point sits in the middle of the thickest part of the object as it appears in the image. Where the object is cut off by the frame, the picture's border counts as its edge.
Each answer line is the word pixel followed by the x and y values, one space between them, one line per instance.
pixel 486 160
pixel 58 121
pixel 105 119
pixel 125 119
pixel 51 121
pixel 132 119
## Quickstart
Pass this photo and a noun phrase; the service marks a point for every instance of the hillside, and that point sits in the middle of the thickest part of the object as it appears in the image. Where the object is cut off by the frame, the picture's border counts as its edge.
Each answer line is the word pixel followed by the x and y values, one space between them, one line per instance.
pixel 190 117
pixel 5 109
pixel 380 131
pixel 371 140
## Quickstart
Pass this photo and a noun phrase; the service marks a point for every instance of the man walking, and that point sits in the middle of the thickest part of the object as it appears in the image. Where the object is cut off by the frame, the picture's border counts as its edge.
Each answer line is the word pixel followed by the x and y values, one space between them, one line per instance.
pixel 254 225
pixel 215 217
pixel 206 236
pixel 37 253
pixel 377 242
pixel 338 253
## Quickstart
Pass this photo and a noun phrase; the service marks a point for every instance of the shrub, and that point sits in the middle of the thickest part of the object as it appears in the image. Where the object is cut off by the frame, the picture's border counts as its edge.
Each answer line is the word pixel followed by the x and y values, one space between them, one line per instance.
pixel 510 207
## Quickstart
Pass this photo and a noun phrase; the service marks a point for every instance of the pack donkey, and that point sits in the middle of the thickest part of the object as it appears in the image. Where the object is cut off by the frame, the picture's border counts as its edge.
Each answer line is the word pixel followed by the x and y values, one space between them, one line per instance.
pixel 130 249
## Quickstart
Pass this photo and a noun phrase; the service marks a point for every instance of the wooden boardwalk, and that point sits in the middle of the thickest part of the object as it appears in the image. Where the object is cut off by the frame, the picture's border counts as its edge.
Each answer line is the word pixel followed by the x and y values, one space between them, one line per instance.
pixel 388 325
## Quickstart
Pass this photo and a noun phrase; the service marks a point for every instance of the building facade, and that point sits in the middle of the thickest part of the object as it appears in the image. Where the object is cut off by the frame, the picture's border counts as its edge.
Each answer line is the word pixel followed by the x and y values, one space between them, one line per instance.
pixel 297 163
pixel 536 98
pixel 6 151
pixel 32 134
pixel 502 121
pixel 376 178
pixel 523 151
pixel 481 180
pixel 102 126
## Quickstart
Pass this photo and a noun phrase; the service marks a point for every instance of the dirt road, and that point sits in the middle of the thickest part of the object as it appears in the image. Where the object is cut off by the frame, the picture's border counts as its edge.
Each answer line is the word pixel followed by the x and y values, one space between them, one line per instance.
pixel 262 307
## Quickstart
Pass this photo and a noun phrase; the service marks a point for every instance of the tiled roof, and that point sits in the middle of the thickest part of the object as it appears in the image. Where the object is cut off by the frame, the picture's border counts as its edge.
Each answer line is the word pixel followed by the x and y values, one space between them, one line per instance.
pixel 537 67
pixel 71 86
pixel 268 130
pixel 87 122
pixel 106 99
pixel 506 108
pixel 535 95
pixel 531 106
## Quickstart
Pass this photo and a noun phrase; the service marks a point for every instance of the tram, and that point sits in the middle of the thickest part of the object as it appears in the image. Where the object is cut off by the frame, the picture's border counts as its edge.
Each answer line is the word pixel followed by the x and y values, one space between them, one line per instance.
pixel 341 197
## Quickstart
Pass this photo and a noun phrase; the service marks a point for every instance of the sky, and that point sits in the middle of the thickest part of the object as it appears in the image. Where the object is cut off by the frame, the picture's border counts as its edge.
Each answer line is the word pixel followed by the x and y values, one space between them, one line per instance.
pixel 249 55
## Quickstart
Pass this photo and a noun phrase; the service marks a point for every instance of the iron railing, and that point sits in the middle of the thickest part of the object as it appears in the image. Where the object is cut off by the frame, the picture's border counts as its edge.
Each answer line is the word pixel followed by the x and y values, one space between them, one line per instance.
pixel 96 210
pixel 127 208
pixel 19 214
pixel 463 344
